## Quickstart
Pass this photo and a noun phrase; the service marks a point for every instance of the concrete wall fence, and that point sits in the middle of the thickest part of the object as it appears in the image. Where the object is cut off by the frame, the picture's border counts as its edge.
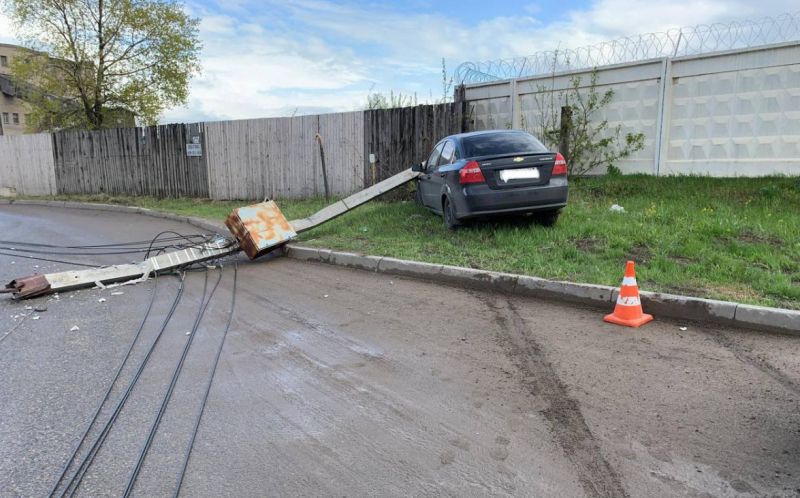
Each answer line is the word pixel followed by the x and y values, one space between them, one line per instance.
pixel 733 113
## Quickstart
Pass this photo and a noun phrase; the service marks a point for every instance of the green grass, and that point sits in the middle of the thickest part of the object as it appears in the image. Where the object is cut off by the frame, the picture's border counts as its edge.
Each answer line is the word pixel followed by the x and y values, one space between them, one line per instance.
pixel 733 239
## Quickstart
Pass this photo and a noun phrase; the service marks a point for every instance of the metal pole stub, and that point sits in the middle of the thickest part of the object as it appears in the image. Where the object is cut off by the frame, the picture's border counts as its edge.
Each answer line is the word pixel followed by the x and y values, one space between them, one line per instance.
pixel 26 287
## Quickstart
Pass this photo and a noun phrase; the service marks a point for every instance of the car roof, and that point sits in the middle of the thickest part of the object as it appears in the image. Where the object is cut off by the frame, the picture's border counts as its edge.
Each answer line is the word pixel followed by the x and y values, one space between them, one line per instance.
pixel 459 136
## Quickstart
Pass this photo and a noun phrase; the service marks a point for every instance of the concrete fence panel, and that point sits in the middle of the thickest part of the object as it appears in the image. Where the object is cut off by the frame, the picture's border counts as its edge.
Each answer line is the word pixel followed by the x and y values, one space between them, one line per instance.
pixel 734 113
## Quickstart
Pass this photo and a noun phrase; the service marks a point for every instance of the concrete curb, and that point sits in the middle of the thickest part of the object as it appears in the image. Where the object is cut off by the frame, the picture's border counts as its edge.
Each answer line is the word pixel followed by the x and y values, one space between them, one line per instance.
pixel 600 296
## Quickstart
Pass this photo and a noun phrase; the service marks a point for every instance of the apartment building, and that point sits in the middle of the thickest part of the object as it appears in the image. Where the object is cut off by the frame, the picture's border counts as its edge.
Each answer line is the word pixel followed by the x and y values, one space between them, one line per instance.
pixel 14 112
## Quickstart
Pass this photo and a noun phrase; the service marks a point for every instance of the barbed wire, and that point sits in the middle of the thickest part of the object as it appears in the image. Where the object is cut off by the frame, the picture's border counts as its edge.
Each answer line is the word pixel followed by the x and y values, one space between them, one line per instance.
pixel 677 42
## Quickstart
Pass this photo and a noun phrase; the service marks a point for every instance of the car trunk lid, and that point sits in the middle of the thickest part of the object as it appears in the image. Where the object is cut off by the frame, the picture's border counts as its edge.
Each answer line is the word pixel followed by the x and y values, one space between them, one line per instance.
pixel 517 170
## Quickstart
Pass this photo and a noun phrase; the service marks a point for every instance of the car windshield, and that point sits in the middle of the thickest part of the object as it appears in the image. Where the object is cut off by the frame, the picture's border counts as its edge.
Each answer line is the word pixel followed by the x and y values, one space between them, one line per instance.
pixel 495 144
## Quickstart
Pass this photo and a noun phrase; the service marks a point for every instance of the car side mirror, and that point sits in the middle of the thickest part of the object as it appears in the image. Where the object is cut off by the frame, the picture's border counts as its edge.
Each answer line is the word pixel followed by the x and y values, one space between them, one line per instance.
pixel 419 167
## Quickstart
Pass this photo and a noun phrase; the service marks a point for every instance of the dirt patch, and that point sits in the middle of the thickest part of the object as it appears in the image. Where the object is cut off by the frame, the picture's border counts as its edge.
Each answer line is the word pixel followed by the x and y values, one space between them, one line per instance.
pixel 682 260
pixel 751 237
pixel 639 253
pixel 687 290
pixel 587 244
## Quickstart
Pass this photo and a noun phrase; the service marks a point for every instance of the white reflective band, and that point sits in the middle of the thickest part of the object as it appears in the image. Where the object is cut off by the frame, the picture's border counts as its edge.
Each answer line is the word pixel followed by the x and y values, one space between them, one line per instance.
pixel 629 281
pixel 628 301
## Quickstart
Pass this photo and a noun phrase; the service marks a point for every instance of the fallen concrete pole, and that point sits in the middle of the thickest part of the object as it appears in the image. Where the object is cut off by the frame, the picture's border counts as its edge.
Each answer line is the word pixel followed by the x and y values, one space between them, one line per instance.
pixel 259 229
pixel 352 202
pixel 38 285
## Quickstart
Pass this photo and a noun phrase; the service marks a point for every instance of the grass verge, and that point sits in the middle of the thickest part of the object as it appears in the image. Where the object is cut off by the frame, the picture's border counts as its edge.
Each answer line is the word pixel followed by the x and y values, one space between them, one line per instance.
pixel 734 239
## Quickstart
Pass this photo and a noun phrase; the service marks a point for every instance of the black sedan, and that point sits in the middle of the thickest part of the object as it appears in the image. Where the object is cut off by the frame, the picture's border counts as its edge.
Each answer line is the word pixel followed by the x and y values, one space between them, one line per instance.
pixel 490 173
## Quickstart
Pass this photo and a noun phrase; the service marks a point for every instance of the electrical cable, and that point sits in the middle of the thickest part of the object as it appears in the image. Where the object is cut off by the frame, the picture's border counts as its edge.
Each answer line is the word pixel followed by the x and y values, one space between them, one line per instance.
pixel 175 375
pixel 49 260
pixel 15 327
pixel 16 250
pixel 202 408
pixel 147 254
pixel 65 251
pixel 82 439
pixel 75 482
pixel 102 246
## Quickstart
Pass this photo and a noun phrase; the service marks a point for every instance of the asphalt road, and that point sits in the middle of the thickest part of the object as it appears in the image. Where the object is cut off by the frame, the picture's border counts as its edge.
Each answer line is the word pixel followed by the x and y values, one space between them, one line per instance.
pixel 336 382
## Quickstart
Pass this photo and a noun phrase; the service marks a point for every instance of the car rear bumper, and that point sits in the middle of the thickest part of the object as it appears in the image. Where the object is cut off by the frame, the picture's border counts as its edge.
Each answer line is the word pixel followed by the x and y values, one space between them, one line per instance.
pixel 480 200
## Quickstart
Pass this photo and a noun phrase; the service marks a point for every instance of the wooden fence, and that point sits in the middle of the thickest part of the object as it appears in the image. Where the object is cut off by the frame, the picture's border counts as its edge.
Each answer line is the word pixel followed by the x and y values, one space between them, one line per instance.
pixel 26 164
pixel 131 161
pixel 246 159
pixel 281 157
pixel 398 138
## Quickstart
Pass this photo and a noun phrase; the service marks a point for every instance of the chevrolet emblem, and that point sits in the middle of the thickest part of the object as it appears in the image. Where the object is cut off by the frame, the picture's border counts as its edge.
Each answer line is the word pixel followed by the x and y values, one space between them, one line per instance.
pixel 518 159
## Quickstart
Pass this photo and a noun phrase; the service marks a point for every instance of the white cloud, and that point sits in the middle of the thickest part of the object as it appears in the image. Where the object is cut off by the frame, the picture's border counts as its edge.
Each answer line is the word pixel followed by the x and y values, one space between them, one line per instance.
pixel 6 30
pixel 274 57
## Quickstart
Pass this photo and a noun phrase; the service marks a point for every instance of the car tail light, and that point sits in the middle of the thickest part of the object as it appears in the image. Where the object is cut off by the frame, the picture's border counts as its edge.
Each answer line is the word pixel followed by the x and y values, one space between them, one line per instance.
pixel 560 167
pixel 471 173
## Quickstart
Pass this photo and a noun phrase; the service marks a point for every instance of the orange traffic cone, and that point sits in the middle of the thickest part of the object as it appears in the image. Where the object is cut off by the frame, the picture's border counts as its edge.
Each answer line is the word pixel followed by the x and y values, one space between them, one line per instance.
pixel 628 311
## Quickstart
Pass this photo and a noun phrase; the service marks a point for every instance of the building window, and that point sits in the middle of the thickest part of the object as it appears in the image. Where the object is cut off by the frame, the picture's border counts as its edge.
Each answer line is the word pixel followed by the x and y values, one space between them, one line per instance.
pixel 15 118
pixel 5 118
pixel 3 61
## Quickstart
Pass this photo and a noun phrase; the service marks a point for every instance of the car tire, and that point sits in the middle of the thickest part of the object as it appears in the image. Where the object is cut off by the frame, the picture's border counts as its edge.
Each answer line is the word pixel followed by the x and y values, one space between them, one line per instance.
pixel 449 215
pixel 547 218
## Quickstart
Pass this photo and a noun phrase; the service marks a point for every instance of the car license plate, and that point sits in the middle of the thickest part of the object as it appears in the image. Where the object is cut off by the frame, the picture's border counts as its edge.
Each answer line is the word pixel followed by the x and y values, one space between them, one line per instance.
pixel 519 174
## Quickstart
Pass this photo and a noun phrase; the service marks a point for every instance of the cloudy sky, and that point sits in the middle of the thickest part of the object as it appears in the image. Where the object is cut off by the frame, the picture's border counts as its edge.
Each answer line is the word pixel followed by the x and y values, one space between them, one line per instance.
pixel 276 58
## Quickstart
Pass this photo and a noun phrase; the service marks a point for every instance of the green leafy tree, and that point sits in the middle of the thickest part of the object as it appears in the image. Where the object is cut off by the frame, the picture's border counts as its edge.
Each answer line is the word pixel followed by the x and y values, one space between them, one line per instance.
pixel 593 145
pixel 92 63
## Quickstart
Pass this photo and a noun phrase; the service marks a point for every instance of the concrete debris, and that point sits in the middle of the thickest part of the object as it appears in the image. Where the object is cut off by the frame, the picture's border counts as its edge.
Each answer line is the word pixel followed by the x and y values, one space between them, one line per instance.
pixel 101 300
pixel 74 328
pixel 325 296
pixel 616 208
pixel 36 317
pixel 118 293
pixel 40 309
pixel 683 328
pixel 28 307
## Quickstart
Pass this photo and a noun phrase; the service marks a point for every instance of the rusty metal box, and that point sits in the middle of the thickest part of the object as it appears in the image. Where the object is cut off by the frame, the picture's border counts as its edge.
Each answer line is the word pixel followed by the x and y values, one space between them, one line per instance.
pixel 260 228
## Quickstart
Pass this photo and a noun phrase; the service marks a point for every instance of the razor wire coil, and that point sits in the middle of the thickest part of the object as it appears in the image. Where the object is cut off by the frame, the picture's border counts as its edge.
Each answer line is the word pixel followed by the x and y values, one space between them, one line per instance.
pixel 677 42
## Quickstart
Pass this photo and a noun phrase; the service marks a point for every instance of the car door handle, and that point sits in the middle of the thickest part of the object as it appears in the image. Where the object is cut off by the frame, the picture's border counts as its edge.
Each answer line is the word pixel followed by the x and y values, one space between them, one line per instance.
pixel 442 174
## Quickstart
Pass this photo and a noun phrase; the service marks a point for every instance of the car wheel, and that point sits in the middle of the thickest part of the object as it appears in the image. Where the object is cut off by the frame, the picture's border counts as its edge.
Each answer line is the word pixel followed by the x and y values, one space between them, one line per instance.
pixel 547 218
pixel 449 215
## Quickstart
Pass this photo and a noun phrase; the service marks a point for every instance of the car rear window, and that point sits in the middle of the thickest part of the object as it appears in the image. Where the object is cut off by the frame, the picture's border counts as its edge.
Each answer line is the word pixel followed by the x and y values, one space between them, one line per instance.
pixel 493 144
